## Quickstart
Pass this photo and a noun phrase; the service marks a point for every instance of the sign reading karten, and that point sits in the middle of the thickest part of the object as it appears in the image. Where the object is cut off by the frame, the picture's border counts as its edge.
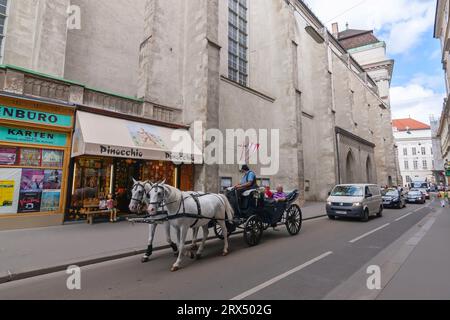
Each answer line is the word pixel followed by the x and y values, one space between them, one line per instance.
pixel 12 113
pixel 23 135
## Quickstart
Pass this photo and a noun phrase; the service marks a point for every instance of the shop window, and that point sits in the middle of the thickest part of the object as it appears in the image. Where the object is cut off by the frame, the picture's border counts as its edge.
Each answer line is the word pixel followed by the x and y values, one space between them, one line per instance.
pixel 30 180
pixel 91 184
pixel 263 182
pixel 225 183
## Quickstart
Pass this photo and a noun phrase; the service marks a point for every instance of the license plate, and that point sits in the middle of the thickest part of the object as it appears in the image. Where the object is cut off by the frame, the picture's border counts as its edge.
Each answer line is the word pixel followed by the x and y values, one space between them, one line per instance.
pixel 341 212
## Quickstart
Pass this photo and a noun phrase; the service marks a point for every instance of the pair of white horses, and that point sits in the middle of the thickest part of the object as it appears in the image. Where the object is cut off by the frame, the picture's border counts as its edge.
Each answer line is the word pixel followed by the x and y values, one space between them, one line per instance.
pixel 169 206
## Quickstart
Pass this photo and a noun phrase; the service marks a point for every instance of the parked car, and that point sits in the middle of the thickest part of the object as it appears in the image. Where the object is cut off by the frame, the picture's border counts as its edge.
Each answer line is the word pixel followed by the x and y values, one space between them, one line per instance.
pixel 394 198
pixel 355 201
pixel 416 196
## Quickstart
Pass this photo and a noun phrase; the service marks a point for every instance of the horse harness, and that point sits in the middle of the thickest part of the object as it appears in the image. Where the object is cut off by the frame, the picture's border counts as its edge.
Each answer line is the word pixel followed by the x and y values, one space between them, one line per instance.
pixel 181 212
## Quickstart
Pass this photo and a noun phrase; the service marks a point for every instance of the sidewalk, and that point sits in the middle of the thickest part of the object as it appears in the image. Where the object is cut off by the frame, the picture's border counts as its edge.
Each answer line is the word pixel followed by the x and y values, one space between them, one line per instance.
pixel 29 252
pixel 425 274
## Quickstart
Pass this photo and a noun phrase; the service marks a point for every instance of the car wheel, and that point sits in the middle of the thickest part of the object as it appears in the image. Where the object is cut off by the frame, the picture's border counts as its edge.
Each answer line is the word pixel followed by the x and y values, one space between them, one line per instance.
pixel 380 214
pixel 332 217
pixel 365 217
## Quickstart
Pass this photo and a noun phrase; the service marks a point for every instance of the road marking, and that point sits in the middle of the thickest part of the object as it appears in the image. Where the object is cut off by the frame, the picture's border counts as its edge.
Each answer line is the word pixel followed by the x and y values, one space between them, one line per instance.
pixel 280 277
pixel 414 241
pixel 369 233
pixel 406 215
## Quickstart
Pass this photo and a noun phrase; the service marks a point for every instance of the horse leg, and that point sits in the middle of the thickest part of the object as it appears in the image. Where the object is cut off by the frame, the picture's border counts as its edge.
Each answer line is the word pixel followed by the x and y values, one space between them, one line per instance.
pixel 183 235
pixel 194 239
pixel 169 238
pixel 223 225
pixel 152 230
pixel 202 246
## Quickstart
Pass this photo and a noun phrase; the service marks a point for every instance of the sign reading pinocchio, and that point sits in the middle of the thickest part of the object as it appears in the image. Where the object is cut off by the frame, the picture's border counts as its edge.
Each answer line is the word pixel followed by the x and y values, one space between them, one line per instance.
pixel 35 144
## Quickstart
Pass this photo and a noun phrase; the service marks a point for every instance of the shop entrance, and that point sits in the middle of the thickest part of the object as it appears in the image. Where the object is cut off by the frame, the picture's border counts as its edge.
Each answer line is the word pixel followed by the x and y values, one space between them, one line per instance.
pixel 95 178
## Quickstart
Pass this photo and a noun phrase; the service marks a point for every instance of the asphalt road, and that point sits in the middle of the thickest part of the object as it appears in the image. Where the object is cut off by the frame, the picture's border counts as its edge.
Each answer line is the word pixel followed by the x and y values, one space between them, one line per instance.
pixel 308 266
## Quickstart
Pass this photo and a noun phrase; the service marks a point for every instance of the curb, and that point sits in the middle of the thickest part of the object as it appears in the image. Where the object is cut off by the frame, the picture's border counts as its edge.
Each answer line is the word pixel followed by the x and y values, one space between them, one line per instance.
pixel 40 272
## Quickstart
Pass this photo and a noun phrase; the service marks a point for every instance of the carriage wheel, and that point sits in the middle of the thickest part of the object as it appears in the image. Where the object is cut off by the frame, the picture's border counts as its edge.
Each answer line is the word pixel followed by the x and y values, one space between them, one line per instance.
pixel 219 232
pixel 253 231
pixel 294 220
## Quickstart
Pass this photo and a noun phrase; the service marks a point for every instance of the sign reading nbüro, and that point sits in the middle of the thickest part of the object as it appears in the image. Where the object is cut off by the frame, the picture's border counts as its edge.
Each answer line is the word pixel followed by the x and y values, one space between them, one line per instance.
pixel 12 113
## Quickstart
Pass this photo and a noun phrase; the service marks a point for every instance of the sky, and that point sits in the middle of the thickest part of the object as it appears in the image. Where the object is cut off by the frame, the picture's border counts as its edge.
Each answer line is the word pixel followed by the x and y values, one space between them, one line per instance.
pixel 407 27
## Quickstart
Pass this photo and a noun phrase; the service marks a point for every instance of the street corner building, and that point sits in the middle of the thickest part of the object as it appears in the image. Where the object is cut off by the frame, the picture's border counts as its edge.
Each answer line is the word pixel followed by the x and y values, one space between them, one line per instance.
pixel 107 97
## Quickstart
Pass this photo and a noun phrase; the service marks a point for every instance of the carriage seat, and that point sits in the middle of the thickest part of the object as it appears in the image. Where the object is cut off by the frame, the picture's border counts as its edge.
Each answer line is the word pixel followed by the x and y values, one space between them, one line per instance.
pixel 292 196
pixel 248 193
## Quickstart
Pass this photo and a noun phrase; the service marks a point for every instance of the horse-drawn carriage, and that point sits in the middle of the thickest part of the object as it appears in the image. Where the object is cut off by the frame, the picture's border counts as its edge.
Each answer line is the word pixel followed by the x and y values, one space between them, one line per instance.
pixel 189 210
pixel 255 214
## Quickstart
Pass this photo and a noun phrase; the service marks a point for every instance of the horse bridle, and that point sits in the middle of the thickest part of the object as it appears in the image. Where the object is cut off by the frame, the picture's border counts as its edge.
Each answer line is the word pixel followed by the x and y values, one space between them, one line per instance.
pixel 140 201
pixel 158 204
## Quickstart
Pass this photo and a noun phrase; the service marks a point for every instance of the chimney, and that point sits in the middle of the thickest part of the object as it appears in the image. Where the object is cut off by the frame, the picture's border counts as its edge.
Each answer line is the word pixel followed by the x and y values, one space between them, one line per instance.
pixel 335 30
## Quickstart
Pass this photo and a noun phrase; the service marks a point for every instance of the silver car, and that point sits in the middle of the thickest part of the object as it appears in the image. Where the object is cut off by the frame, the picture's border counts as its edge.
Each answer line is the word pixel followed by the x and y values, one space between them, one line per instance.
pixel 355 201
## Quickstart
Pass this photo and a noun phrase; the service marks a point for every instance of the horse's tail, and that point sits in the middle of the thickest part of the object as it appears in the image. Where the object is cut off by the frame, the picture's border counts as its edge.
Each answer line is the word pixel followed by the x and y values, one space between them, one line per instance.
pixel 228 208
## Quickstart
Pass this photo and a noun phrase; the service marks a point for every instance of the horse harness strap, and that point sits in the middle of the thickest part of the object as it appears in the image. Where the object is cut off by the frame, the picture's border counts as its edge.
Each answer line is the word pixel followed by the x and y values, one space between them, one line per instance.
pixel 182 211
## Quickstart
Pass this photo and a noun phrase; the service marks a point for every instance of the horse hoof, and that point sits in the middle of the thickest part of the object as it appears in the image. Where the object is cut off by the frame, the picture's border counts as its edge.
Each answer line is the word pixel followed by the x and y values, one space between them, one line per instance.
pixel 193 256
pixel 145 259
pixel 224 254
pixel 175 269
pixel 198 256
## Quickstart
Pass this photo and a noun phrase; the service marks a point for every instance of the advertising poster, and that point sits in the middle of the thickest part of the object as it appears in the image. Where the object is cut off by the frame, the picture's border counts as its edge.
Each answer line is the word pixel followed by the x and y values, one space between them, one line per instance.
pixel 29 202
pixel 52 179
pixel 8 156
pixel 7 193
pixel 52 158
pixel 30 157
pixel 50 201
pixel 9 190
pixel 146 136
pixel 32 180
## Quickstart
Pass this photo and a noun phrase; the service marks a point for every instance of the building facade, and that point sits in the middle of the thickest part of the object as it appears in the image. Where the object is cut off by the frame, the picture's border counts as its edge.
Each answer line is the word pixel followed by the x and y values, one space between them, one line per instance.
pixel 439 165
pixel 229 65
pixel 416 152
pixel 442 32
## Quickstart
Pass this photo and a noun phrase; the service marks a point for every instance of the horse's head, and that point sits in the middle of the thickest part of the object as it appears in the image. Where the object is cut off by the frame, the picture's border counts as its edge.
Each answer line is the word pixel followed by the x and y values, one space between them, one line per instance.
pixel 157 197
pixel 138 194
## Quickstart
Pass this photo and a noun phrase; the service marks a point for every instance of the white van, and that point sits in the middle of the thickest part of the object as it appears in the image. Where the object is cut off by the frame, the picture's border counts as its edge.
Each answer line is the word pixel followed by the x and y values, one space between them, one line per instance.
pixel 355 201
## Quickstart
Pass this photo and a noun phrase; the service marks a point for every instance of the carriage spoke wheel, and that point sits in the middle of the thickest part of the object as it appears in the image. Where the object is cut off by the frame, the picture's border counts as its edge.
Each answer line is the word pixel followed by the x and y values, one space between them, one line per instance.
pixel 294 220
pixel 253 231
pixel 219 231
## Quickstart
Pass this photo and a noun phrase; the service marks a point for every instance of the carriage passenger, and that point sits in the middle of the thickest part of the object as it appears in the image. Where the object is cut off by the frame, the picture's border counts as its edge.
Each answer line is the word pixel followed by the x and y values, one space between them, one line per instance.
pixel 280 196
pixel 268 194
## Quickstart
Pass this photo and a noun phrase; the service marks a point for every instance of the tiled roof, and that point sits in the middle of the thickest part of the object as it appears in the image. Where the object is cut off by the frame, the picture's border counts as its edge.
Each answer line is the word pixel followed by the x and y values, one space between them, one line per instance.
pixel 352 33
pixel 351 38
pixel 409 124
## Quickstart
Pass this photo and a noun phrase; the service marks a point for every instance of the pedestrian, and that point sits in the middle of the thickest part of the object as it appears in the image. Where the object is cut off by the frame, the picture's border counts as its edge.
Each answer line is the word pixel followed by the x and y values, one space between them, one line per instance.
pixel 111 205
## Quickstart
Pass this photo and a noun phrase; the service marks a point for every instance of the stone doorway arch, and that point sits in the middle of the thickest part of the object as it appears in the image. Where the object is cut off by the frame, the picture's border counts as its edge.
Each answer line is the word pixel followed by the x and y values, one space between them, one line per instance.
pixel 349 168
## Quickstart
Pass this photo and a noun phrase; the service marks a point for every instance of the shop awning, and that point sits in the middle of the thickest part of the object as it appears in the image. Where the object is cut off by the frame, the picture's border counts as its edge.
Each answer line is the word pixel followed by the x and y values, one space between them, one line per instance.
pixel 98 135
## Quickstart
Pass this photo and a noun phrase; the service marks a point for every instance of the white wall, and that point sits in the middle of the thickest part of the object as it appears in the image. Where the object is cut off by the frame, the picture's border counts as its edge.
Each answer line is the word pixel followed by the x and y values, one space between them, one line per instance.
pixel 417 139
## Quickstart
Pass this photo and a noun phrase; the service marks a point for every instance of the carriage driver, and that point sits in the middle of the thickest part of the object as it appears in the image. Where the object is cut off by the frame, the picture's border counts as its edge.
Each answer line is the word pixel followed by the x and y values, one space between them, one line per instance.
pixel 248 181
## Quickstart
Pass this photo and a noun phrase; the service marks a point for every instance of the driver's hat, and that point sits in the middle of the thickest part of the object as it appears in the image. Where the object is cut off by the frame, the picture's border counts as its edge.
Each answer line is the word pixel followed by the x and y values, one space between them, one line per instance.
pixel 244 168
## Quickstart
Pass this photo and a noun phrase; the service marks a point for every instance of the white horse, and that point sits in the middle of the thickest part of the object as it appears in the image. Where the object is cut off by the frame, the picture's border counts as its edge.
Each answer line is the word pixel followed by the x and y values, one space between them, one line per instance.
pixel 176 204
pixel 139 204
